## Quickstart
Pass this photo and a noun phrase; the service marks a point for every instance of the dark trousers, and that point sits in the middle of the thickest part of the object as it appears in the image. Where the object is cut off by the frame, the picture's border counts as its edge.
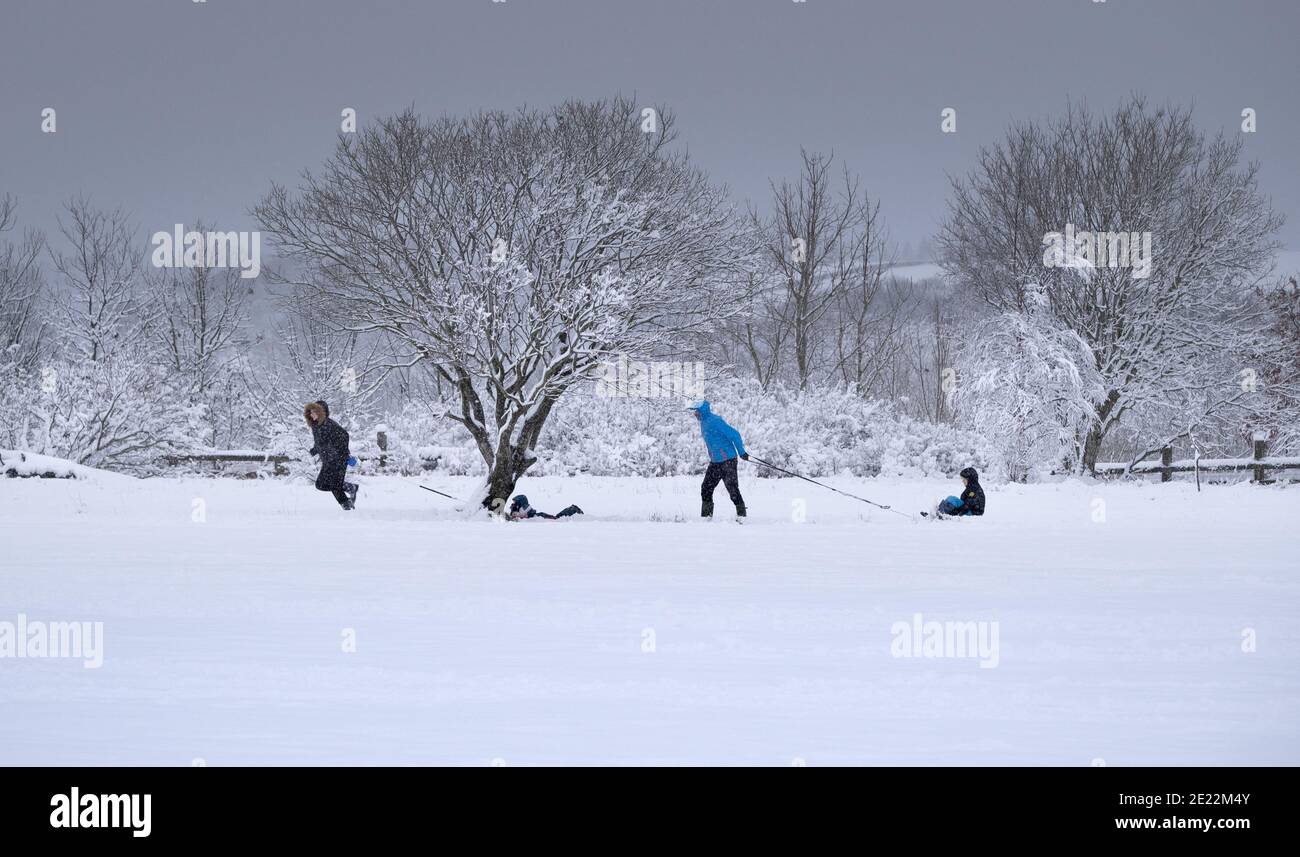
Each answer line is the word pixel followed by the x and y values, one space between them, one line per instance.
pixel 331 479
pixel 563 513
pixel 724 472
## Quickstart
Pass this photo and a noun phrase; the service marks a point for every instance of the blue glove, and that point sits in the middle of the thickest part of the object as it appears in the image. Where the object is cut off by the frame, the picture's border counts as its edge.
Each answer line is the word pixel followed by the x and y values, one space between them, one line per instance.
pixel 352 461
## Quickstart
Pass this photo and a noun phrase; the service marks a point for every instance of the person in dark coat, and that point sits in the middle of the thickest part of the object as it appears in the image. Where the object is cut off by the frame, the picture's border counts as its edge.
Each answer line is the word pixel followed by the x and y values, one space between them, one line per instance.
pixel 521 510
pixel 330 442
pixel 725 446
pixel 971 501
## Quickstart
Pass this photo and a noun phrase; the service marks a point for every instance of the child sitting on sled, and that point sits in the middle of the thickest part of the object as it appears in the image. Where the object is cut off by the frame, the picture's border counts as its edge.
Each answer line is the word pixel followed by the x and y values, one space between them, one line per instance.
pixel 971 501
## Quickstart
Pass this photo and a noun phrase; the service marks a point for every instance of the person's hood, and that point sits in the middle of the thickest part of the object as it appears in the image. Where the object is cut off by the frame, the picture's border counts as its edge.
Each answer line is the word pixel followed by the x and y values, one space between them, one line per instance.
pixel 971 474
pixel 519 504
pixel 702 408
pixel 320 409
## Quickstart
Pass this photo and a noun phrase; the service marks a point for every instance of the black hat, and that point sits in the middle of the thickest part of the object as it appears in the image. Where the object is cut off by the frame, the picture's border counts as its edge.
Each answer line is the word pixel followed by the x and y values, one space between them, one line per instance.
pixel 969 473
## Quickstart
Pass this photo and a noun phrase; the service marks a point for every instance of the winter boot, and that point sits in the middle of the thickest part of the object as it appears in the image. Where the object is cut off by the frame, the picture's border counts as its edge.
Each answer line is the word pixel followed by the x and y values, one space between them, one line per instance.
pixel 706 509
pixel 351 489
pixel 740 511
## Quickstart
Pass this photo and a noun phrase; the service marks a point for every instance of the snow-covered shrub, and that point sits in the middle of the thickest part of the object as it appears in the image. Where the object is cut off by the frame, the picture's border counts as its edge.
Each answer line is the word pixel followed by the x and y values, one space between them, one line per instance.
pixel 306 362
pixel 816 432
pixel 118 413
pixel 1032 388
pixel 420 438
pixel 126 417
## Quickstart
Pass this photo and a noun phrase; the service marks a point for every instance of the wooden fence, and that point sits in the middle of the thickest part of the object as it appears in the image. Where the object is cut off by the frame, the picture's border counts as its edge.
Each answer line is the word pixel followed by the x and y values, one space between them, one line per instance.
pixel 218 458
pixel 279 462
pixel 1259 465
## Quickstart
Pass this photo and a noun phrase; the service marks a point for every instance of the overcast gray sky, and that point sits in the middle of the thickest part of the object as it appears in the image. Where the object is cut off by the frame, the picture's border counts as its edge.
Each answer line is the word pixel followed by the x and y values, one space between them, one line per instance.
pixel 178 110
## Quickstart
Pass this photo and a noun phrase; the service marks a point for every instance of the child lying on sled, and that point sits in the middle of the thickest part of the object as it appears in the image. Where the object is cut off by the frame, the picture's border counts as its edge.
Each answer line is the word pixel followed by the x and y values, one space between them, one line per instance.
pixel 521 511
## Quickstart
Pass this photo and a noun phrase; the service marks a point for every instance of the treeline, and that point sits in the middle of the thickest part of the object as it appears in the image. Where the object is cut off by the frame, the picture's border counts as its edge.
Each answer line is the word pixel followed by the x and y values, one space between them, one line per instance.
pixel 471 276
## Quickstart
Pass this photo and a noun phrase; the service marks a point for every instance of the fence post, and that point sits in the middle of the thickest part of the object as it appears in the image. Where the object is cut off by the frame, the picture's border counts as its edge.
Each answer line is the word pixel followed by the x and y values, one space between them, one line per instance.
pixel 1166 464
pixel 1261 452
pixel 381 440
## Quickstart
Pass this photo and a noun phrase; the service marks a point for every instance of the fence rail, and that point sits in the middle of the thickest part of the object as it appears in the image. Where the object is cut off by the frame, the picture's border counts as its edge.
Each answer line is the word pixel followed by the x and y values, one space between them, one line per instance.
pixel 278 461
pixel 1259 465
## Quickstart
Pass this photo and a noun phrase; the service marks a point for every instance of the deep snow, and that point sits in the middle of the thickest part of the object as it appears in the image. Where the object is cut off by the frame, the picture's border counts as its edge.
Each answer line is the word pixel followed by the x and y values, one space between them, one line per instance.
pixel 1120 640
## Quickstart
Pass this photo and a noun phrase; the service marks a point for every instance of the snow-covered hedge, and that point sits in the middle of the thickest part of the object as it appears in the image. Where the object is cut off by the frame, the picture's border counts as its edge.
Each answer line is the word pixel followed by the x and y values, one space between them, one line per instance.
pixel 1031 386
pixel 116 414
pixel 816 432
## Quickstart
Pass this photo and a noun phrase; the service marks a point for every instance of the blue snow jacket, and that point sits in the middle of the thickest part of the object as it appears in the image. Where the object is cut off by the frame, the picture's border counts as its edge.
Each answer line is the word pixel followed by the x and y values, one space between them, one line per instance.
pixel 723 441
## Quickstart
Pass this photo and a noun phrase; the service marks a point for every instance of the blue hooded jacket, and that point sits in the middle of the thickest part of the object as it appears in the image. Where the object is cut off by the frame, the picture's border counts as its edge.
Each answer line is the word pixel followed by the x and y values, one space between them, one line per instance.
pixel 723 441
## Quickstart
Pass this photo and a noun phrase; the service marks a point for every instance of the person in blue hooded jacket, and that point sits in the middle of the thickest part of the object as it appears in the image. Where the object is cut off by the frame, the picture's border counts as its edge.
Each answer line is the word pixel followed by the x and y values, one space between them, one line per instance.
pixel 725 446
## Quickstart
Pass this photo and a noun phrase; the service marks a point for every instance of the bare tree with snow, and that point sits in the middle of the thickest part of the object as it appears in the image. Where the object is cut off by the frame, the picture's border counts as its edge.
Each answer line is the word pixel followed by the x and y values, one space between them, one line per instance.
pixel 22 288
pixel 817 241
pixel 513 253
pixel 312 359
pixel 200 334
pixel 202 319
pixel 1273 372
pixel 97 281
pixel 104 398
pixel 1170 334
pixel 870 308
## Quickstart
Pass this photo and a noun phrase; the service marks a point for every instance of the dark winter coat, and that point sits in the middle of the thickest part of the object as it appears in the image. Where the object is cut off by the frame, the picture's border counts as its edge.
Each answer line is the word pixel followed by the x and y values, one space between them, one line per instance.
pixel 723 441
pixel 972 499
pixel 330 440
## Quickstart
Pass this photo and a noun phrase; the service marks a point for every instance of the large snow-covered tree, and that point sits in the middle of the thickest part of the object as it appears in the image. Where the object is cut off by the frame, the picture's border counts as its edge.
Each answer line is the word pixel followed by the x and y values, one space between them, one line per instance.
pixel 513 253
pixel 1166 337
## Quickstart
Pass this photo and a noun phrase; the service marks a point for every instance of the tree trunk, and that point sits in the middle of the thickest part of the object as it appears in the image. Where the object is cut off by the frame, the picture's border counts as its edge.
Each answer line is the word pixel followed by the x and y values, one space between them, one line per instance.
pixel 505 473
pixel 510 464
pixel 1096 434
pixel 1091 449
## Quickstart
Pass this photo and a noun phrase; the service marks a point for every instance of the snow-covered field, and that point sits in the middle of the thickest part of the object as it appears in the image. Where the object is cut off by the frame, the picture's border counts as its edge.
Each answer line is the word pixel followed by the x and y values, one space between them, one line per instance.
pixel 641 635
